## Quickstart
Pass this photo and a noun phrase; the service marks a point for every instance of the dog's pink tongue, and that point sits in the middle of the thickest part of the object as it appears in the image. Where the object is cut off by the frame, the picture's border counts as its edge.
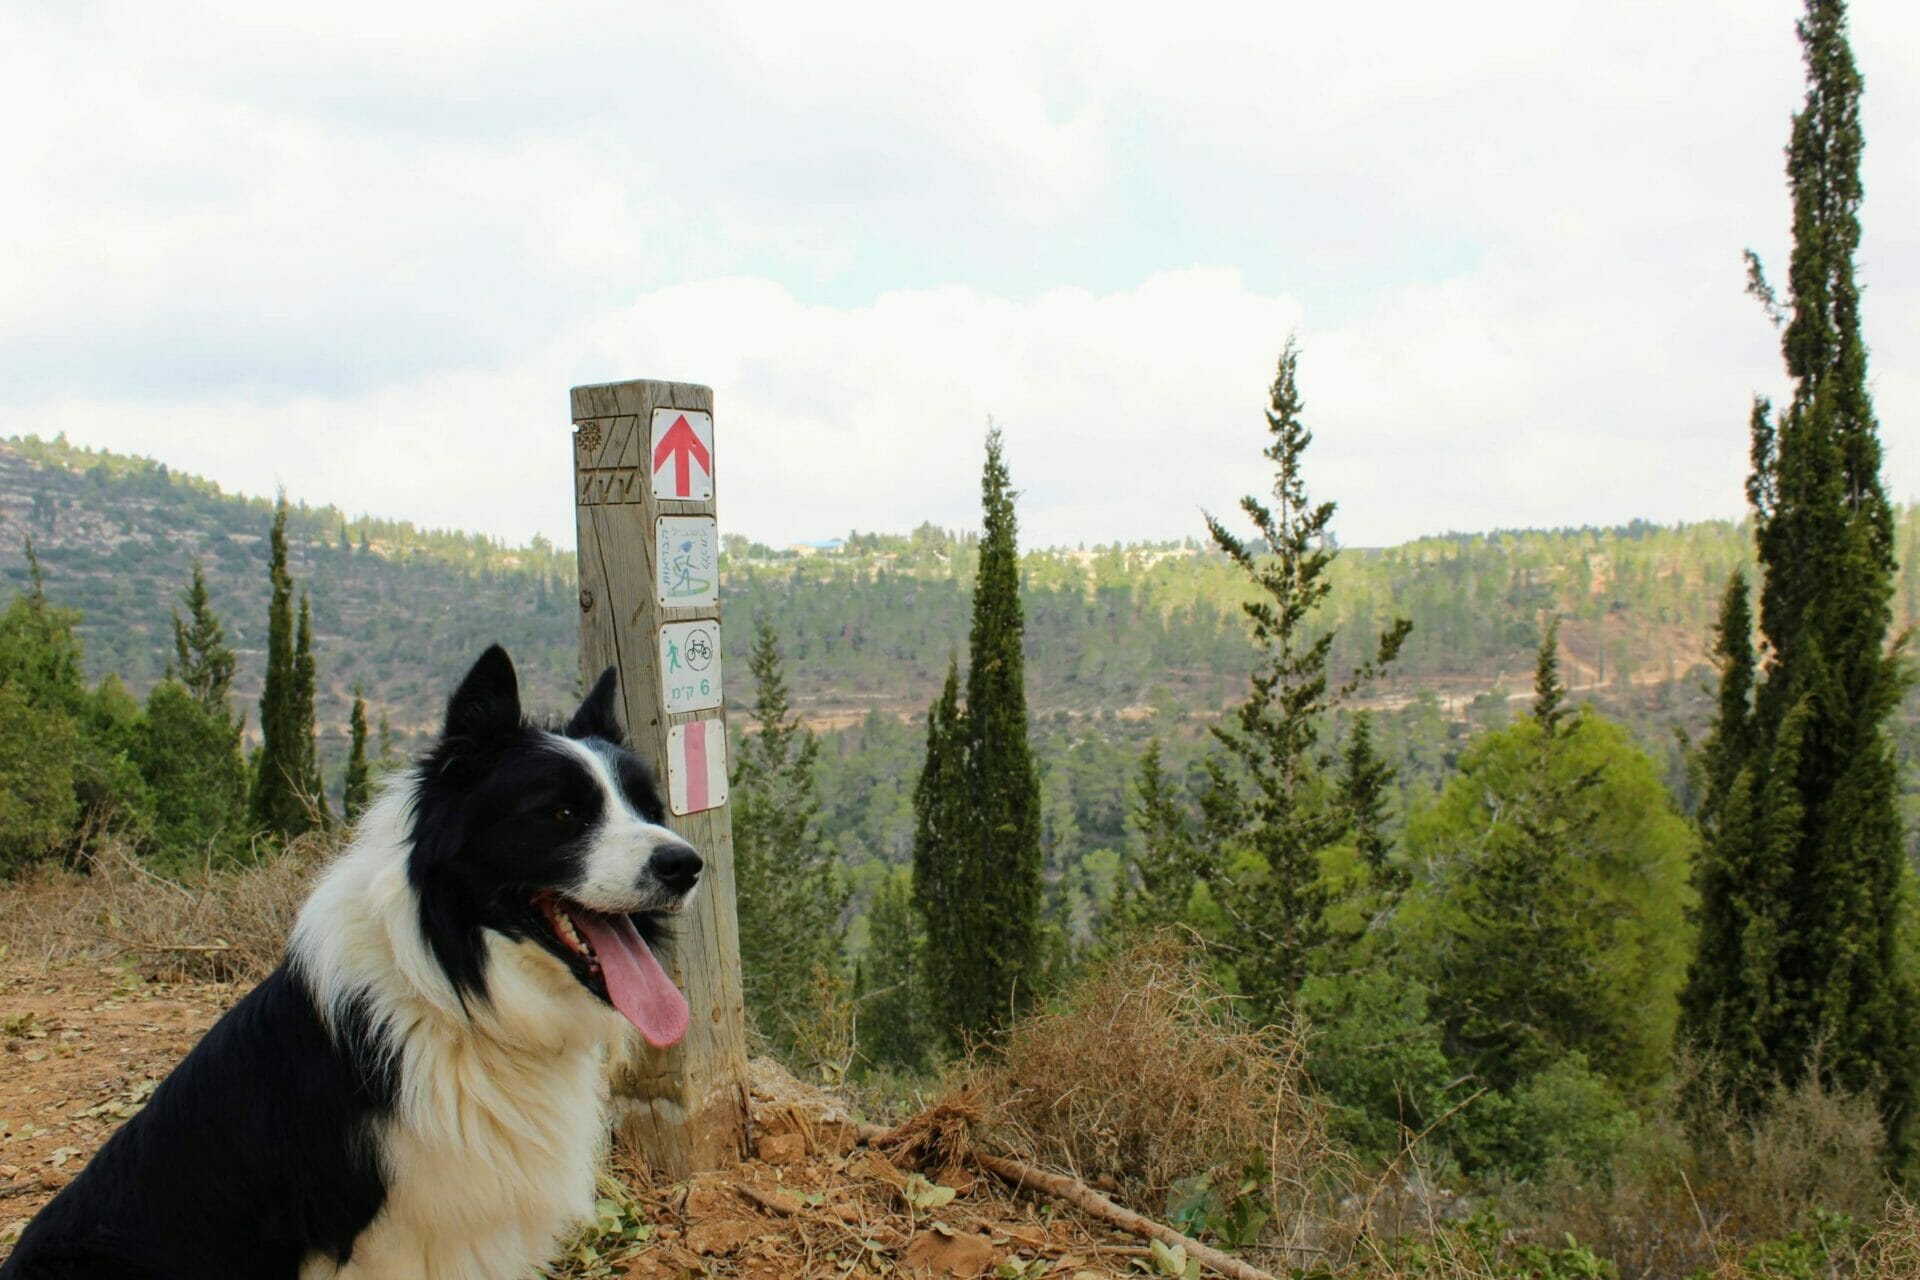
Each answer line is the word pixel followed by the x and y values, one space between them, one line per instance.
pixel 639 987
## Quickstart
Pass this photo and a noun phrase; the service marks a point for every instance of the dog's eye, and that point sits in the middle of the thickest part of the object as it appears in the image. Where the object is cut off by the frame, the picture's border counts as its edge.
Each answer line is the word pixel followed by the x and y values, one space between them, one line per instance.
pixel 563 815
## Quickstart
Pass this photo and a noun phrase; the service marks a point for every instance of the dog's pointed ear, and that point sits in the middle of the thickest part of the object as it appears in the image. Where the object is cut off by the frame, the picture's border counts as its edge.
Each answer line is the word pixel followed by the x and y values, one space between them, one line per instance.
pixel 598 717
pixel 487 702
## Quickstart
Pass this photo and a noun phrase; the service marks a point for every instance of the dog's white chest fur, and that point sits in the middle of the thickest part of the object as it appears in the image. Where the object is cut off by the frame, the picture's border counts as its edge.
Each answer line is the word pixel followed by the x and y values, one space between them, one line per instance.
pixel 485 1186
pixel 491 1149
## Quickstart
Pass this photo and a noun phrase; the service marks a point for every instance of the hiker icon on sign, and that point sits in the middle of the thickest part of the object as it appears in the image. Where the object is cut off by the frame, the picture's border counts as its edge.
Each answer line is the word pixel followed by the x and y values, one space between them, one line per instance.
pixel 687 556
pixel 680 577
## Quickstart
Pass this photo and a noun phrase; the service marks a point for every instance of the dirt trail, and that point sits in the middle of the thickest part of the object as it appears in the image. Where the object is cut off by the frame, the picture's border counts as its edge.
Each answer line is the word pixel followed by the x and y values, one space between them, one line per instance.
pixel 83 1045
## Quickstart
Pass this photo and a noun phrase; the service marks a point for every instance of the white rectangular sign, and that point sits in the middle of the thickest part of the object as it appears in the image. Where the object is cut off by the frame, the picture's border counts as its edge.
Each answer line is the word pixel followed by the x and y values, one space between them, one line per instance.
pixel 687 561
pixel 690 665
pixel 681 449
pixel 697 766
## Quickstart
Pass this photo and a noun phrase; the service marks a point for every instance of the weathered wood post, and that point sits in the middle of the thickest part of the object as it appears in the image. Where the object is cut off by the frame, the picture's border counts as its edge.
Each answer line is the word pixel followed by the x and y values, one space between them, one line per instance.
pixel 643 467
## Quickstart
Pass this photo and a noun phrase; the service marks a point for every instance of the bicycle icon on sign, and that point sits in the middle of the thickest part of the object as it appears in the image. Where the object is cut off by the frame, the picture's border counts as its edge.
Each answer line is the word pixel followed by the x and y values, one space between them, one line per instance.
pixel 699 651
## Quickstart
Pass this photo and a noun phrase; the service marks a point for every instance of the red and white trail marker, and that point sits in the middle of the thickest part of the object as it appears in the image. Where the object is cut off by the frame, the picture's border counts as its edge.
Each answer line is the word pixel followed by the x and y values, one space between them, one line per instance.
pixel 682 455
pixel 697 766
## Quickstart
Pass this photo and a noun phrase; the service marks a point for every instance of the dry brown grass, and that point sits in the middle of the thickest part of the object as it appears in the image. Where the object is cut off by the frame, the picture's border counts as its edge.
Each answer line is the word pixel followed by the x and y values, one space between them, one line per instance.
pixel 1690 1192
pixel 1894 1250
pixel 1146 1073
pixel 223 924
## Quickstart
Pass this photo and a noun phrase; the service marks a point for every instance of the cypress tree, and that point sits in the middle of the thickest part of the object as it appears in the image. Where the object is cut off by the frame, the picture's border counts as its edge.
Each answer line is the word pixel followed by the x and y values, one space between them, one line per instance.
pixel 313 788
pixel 280 770
pixel 978 854
pixel 1726 1006
pixel 358 788
pixel 202 660
pixel 1823 975
pixel 389 757
pixel 1005 826
pixel 1269 818
pixel 946 891
pixel 1549 695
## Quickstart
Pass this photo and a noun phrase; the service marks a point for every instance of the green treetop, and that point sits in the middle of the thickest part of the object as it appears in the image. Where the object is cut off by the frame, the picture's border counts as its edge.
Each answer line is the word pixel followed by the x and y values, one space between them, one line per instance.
pixel 202 661
pixel 1549 694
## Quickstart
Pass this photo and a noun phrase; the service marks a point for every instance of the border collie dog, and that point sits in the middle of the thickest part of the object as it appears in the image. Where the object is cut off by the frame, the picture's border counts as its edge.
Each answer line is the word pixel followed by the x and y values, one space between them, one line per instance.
pixel 417 1091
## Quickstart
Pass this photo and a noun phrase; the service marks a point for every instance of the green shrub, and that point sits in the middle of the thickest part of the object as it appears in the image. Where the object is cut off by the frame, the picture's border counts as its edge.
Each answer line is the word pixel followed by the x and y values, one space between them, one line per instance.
pixel 38 808
pixel 1375 1057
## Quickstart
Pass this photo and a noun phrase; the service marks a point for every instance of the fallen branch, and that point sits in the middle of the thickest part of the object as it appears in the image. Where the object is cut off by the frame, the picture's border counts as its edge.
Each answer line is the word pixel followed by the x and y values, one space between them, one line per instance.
pixel 1081 1196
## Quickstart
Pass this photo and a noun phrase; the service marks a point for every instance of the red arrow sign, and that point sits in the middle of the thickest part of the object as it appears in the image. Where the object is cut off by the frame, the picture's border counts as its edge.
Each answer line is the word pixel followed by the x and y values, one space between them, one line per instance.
pixel 682 444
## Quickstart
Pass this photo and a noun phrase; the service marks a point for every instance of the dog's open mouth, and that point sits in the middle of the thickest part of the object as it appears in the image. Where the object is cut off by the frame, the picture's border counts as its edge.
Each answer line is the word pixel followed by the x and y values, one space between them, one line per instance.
pixel 613 961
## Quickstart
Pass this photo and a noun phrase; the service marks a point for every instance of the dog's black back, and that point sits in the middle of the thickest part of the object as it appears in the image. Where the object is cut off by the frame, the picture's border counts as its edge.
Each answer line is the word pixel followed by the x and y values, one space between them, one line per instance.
pixel 262 1141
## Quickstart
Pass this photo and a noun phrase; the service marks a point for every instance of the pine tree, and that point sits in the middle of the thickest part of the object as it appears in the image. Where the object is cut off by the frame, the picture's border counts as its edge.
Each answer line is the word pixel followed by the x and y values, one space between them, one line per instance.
pixel 1166 865
pixel 1366 781
pixel 790 896
pixel 358 789
pixel 189 756
pixel 1549 694
pixel 1273 813
pixel 893 1019
pixel 280 769
pixel 202 660
pixel 1818 960
pixel 1549 918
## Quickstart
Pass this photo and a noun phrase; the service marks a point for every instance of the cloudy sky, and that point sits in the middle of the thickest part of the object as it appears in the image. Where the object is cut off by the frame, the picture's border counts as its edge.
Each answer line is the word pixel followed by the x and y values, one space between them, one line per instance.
pixel 362 250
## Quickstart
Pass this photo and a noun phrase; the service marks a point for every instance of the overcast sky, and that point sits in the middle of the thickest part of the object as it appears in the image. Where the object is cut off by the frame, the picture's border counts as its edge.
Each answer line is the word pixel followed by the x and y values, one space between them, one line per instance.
pixel 362 250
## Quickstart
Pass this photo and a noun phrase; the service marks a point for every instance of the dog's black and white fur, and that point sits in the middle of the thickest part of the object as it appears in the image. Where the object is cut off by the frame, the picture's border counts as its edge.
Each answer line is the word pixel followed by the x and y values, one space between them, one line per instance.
pixel 417 1091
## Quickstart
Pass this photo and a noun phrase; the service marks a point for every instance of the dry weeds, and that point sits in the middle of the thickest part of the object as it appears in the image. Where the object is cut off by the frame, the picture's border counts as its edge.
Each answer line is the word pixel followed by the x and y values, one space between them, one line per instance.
pixel 217 924
pixel 1147 1073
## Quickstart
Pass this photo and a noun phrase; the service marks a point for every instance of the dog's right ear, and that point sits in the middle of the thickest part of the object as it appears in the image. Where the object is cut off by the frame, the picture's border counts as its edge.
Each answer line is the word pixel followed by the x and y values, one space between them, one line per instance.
pixel 487 703
pixel 596 717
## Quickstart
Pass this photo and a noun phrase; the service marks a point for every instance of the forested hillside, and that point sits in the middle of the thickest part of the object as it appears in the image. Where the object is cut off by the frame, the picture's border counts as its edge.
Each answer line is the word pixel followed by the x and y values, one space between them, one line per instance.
pixel 1128 631
pixel 1122 643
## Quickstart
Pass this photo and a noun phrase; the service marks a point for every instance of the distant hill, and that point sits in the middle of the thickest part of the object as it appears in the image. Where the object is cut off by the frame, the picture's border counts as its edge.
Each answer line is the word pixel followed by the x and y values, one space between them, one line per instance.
pixel 1125 632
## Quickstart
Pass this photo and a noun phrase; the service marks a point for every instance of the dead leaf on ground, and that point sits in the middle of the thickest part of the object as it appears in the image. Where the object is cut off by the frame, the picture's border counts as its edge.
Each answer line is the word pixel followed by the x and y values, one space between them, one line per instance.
pixel 941 1251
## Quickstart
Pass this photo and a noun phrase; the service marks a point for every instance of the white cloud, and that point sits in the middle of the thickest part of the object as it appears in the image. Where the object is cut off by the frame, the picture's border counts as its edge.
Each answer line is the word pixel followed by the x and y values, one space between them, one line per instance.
pixel 364 249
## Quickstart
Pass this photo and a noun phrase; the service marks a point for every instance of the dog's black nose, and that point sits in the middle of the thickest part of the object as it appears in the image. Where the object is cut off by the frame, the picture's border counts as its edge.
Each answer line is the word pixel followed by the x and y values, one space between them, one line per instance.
pixel 676 866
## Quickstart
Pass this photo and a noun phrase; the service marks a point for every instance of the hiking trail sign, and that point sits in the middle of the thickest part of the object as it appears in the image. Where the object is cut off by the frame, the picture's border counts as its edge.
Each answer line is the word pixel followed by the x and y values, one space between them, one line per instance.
pixel 643 466
pixel 682 455
pixel 687 561
pixel 689 668
pixel 696 766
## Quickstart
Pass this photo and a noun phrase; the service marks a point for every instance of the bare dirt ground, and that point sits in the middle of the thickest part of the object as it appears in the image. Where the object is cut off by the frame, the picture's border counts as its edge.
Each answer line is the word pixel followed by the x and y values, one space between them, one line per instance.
pixel 81 1047
pixel 83 1044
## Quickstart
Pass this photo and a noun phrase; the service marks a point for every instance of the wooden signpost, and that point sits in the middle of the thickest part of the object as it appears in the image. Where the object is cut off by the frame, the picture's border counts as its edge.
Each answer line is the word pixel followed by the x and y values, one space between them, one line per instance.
pixel 643 469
